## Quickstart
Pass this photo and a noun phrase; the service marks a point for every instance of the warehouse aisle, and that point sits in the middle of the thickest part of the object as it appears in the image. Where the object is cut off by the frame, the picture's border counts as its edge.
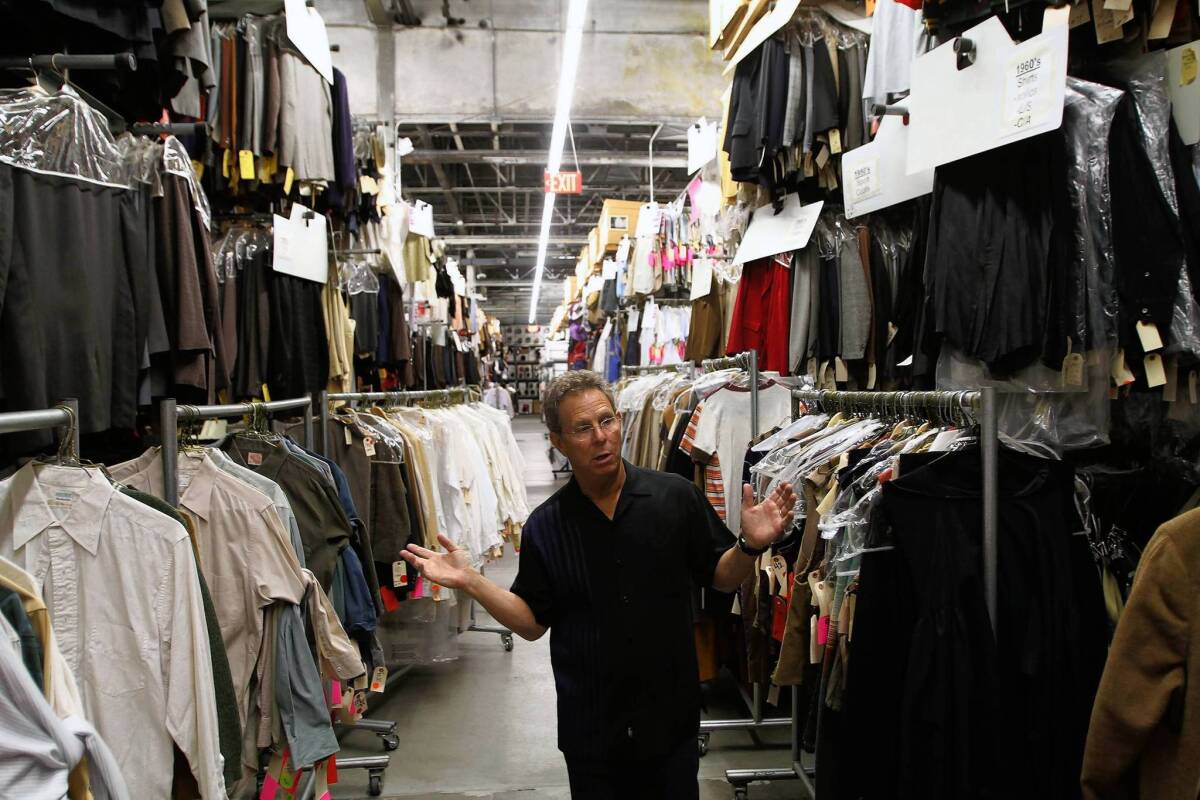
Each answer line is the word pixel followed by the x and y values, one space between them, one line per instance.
pixel 484 726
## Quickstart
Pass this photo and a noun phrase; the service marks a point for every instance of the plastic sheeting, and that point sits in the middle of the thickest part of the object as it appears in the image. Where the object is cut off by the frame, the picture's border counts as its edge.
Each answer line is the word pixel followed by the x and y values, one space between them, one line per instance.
pixel 59 134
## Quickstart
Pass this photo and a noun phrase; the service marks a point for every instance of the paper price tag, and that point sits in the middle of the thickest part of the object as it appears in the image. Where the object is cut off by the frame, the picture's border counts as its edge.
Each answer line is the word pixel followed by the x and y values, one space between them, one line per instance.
pixel 379 679
pixel 1121 375
pixel 1171 388
pixel 246 165
pixel 702 275
pixel 1072 369
pixel 835 141
pixel 399 573
pixel 288 178
pixel 1156 374
pixel 1027 89
pixel 1187 75
pixel 872 374
pixel 369 446
pixel 254 459
pixel 634 315
pixel 779 567
pixel 1148 335
pixel 840 373
pixel 349 436
pixel 198 168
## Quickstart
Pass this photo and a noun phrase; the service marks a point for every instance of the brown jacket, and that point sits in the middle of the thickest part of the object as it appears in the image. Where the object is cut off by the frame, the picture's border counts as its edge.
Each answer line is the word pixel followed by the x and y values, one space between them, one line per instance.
pixel 1144 738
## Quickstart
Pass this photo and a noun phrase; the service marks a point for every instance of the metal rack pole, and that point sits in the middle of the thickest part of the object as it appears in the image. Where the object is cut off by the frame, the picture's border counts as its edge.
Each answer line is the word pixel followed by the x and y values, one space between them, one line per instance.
pixel 168 432
pixel 989 445
pixel 323 416
pixel 119 61
pixel 20 421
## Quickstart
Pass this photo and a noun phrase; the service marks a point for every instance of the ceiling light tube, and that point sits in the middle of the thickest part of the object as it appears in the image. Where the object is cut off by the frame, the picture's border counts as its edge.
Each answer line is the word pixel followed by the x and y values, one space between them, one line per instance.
pixel 572 44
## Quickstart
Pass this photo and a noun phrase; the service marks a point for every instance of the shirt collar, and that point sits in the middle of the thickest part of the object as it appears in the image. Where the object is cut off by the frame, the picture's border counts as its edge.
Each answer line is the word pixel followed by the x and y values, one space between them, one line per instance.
pixel 197 497
pixel 635 486
pixel 35 485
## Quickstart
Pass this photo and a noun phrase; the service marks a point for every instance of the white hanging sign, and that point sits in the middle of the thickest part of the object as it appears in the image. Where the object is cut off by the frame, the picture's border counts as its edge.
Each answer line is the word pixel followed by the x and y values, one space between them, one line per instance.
pixel 649 217
pixel 301 246
pixel 874 176
pixel 770 234
pixel 702 144
pixel 306 30
pixel 1011 92
pixel 1184 87
pixel 420 219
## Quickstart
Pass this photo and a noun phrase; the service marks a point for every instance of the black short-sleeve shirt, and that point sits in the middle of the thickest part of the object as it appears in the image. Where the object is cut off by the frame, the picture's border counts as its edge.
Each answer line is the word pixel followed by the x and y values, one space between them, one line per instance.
pixel 617 597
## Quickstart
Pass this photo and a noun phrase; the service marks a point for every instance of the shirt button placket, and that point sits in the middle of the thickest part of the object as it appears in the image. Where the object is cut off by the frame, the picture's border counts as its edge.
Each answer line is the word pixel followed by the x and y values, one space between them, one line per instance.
pixel 66 601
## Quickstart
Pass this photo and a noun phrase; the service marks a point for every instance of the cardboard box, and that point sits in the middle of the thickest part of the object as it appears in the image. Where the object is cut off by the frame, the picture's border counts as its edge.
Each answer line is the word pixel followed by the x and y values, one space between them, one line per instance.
pixel 733 39
pixel 595 251
pixel 618 218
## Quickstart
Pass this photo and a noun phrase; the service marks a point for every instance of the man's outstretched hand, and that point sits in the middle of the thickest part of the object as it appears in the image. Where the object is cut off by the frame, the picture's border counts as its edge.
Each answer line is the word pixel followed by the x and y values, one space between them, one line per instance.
pixel 764 523
pixel 451 569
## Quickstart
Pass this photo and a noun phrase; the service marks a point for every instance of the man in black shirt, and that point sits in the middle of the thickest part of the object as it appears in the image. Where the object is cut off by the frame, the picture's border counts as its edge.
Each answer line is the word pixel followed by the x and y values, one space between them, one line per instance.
pixel 608 565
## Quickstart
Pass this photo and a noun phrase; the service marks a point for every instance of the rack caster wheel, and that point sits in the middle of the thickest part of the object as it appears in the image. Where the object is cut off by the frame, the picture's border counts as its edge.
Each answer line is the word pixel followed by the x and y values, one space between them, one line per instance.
pixel 375 786
pixel 741 793
pixel 702 744
pixel 390 741
pixel 506 639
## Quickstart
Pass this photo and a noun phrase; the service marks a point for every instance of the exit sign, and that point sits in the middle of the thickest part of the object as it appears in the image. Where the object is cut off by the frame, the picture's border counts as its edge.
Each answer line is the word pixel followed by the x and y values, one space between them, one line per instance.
pixel 563 182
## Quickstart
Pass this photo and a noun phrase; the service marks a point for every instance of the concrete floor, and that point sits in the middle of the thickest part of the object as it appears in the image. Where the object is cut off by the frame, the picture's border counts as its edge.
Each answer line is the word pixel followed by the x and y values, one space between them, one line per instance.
pixel 483 726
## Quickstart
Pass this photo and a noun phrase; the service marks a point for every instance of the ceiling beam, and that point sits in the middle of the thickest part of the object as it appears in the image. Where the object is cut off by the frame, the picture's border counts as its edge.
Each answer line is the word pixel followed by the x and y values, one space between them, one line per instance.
pixel 518 157
pixel 442 178
pixel 485 240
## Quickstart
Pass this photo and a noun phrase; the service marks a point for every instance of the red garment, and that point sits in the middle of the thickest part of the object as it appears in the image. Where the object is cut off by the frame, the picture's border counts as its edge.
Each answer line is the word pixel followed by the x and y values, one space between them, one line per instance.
pixel 762 312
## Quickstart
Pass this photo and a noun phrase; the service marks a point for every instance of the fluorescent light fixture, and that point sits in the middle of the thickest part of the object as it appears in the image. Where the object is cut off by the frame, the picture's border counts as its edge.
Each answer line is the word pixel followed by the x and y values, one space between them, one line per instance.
pixel 562 118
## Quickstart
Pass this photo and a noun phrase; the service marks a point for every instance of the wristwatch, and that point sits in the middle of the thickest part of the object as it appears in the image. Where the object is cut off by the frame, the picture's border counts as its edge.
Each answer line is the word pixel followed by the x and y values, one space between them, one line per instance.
pixel 745 547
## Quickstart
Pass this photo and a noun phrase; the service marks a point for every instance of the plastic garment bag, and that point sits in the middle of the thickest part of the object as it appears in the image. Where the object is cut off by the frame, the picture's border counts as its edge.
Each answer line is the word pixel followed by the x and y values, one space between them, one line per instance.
pixel 59 134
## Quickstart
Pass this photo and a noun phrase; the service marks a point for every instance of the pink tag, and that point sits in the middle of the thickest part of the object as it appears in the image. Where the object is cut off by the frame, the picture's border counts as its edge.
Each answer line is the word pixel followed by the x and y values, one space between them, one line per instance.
pixel 325 796
pixel 418 589
pixel 269 788
pixel 335 694
pixel 254 459
pixel 822 630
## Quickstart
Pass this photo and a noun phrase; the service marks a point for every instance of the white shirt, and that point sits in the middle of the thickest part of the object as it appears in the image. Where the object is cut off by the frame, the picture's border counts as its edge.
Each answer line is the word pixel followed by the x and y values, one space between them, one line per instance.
pixel 724 429
pixel 122 587
pixel 501 399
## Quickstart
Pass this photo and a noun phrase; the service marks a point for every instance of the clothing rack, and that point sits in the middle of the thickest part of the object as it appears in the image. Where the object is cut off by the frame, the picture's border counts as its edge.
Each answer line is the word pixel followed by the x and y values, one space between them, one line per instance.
pixel 933 406
pixel 172 129
pixel 685 366
pixel 463 394
pixel 170 413
pixel 64 415
pixel 747 361
pixel 126 61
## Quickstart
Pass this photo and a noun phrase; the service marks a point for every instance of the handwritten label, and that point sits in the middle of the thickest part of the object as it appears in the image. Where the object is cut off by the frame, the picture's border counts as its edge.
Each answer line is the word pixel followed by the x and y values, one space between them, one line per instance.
pixel 369 446
pixel 1027 90
pixel 379 679
pixel 1072 370
pixel 863 182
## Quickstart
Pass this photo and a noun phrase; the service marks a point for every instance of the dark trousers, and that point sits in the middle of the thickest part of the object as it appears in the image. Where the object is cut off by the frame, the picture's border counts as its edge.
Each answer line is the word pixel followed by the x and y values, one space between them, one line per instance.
pixel 672 777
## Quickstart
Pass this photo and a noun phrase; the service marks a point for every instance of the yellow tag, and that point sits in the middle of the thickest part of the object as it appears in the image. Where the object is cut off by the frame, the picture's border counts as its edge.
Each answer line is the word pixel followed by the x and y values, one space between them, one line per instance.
pixel 225 159
pixel 1192 386
pixel 870 376
pixel 1155 374
pixel 1187 73
pixel 822 158
pixel 378 679
pixel 266 393
pixel 198 168
pixel 266 168
pixel 246 165
pixel 1148 333
pixel 840 373
pixel 1072 369
pixel 349 437
pixel 369 446
pixel 399 574
pixel 1171 388
pixel 288 177
pixel 835 140
pixel 368 185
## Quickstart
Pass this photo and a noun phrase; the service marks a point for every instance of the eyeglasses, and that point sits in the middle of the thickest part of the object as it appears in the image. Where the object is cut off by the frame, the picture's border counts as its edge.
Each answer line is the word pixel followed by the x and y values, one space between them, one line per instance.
pixel 584 432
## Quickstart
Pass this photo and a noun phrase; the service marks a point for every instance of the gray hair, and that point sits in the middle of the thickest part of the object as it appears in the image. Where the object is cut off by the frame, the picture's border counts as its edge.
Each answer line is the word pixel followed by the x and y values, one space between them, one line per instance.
pixel 580 380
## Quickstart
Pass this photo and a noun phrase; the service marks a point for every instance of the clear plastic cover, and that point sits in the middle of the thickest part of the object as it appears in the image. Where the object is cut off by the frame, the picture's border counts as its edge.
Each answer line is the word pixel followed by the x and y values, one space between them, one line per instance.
pixel 1089 112
pixel 175 160
pixel 1146 79
pixel 59 134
